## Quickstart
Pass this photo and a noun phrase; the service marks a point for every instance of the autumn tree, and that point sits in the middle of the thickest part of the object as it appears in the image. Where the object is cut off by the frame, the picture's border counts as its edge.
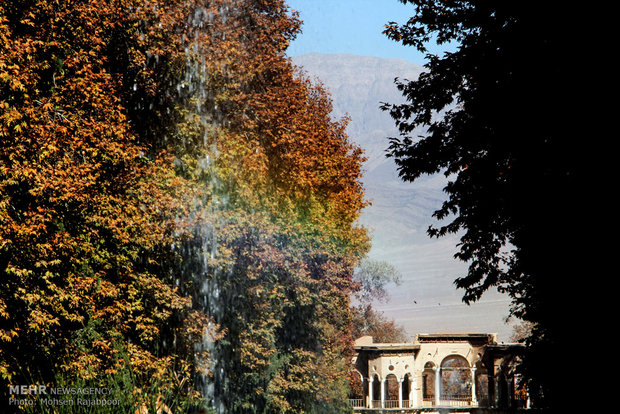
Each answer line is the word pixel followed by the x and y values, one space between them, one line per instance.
pixel 94 201
pixel 90 206
pixel 369 321
pixel 175 204
pixel 498 117
pixel 288 241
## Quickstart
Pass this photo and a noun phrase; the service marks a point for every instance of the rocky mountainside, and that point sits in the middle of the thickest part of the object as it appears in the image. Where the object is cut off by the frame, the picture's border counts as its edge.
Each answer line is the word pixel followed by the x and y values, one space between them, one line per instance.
pixel 400 214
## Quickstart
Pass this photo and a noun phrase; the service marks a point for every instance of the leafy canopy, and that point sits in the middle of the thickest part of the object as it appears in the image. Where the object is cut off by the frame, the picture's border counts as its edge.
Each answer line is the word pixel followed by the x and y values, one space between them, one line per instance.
pixel 176 204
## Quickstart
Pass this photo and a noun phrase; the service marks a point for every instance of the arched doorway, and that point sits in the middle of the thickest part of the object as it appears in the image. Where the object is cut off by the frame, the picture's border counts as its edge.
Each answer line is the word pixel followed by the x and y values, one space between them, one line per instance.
pixel 356 389
pixel 456 381
pixel 502 391
pixel 506 384
pixel 391 391
pixel 376 392
pixel 428 383
pixel 407 391
pixel 483 381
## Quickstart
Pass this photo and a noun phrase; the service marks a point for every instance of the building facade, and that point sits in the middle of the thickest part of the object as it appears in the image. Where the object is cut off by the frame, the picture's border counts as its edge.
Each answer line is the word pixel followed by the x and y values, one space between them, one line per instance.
pixel 437 370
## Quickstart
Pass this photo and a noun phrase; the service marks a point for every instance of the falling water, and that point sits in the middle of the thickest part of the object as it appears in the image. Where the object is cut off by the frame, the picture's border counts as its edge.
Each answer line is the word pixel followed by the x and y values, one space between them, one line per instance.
pixel 201 253
pixel 214 286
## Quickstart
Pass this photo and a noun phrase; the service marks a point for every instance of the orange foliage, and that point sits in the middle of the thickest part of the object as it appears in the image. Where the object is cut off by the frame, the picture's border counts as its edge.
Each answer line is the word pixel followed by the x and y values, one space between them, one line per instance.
pixel 126 126
pixel 85 214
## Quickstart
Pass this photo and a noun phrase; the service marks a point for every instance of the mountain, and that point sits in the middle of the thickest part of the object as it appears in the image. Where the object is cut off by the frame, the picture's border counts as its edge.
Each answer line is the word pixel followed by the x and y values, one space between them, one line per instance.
pixel 400 214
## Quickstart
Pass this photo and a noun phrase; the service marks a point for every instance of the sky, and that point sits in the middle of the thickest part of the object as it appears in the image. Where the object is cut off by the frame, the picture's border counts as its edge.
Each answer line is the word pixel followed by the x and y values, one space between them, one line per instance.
pixel 352 26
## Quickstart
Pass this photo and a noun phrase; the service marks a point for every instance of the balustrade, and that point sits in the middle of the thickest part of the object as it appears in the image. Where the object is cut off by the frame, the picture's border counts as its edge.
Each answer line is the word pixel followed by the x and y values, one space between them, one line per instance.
pixel 445 401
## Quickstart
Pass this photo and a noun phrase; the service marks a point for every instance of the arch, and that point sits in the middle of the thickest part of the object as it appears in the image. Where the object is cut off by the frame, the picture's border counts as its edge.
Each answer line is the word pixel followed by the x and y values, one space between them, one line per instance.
pixel 376 391
pixel 358 373
pixel 454 361
pixel 356 385
pixel 506 382
pixel 407 389
pixel 428 382
pixel 483 385
pixel 456 379
pixel 391 387
pixel 502 391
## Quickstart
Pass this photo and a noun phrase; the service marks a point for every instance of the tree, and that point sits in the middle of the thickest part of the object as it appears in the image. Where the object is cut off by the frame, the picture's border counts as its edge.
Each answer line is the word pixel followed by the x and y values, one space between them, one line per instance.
pixel 367 321
pixel 289 184
pixel 174 202
pixel 90 206
pixel 372 276
pixel 521 331
pixel 498 118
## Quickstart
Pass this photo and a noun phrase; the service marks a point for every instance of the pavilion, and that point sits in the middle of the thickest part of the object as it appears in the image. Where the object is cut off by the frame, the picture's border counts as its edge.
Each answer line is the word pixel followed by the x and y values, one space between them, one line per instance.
pixel 441 370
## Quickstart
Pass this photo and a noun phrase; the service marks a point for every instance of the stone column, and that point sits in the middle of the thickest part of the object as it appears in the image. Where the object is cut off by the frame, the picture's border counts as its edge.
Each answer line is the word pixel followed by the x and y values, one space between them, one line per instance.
pixel 412 391
pixel 383 393
pixel 370 380
pixel 518 378
pixel 412 384
pixel 527 402
pixel 437 385
pixel 498 389
pixel 400 393
pixel 364 397
pixel 474 400
pixel 492 381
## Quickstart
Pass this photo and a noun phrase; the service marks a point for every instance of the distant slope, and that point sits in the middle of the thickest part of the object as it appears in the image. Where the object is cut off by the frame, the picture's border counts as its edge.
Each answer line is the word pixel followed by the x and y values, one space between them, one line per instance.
pixel 358 84
pixel 427 301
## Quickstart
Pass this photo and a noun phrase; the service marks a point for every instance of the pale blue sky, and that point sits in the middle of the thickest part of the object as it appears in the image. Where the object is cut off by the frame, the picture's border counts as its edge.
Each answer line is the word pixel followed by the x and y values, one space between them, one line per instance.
pixel 352 26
